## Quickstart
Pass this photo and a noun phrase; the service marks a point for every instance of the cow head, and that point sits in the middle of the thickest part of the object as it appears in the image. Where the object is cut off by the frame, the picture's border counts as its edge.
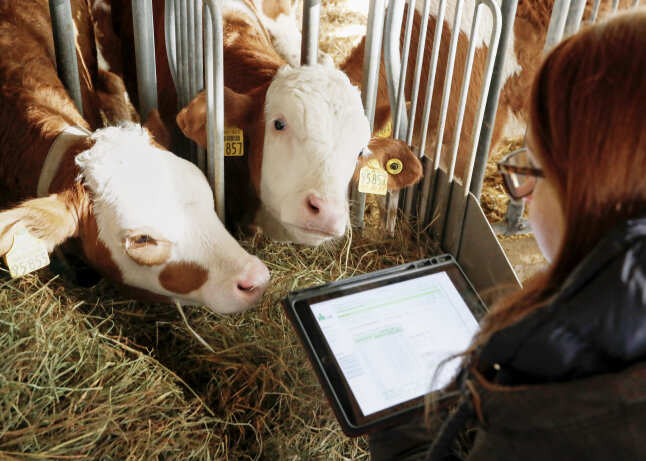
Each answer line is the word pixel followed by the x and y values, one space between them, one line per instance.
pixel 307 136
pixel 145 218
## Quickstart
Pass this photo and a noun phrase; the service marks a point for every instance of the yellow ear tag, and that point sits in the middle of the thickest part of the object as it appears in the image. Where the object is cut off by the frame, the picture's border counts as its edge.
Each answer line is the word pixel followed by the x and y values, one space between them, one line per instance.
pixel 233 142
pixel 394 166
pixel 387 131
pixel 373 179
pixel 26 255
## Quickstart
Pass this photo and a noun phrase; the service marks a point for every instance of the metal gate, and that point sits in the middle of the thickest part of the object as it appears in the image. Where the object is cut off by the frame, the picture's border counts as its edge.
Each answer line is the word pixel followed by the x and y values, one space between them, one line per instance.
pixel 185 21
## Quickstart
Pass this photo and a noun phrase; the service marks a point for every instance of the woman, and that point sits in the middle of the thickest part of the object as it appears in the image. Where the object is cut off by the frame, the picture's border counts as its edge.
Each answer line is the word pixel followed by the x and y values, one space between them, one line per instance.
pixel 558 371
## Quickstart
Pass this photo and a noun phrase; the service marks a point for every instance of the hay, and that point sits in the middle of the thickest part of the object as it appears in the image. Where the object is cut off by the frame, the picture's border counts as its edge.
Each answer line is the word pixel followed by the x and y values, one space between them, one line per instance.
pixel 89 375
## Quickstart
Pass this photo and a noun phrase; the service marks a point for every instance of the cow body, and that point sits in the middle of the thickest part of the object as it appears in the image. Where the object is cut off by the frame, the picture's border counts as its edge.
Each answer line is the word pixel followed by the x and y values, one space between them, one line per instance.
pixel 138 214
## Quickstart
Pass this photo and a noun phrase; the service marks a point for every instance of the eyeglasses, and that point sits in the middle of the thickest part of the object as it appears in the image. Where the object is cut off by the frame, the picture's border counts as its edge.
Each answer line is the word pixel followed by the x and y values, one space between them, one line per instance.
pixel 518 173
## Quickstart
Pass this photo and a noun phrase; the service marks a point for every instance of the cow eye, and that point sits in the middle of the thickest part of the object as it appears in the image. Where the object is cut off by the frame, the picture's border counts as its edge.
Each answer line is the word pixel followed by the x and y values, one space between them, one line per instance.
pixel 279 124
pixel 142 239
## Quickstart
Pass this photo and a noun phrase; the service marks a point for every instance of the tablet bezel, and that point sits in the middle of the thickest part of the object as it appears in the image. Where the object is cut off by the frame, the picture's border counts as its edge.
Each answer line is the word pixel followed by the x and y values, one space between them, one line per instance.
pixel 345 406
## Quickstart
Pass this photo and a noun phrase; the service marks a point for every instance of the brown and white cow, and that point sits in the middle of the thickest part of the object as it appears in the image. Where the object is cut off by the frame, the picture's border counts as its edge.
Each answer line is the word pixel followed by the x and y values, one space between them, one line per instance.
pixel 305 132
pixel 139 214
pixel 523 57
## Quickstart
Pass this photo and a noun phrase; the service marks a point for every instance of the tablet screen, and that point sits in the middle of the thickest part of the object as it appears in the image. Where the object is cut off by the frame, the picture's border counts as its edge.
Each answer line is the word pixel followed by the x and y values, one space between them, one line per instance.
pixel 389 340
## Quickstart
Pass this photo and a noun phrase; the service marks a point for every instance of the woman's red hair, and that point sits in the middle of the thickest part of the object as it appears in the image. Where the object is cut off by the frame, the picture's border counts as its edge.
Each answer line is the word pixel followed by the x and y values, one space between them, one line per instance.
pixel 588 122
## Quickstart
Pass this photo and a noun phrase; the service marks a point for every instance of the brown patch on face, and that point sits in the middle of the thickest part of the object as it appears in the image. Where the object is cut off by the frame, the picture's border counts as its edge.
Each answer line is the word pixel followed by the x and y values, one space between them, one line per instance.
pixel 183 278
pixel 96 252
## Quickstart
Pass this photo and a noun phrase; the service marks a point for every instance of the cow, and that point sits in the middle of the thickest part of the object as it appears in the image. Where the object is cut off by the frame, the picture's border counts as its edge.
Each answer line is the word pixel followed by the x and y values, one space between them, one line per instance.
pixel 306 135
pixel 523 57
pixel 137 213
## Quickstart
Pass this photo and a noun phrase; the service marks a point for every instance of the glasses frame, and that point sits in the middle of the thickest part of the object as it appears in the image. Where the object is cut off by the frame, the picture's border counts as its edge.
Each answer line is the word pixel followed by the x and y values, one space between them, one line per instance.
pixel 506 169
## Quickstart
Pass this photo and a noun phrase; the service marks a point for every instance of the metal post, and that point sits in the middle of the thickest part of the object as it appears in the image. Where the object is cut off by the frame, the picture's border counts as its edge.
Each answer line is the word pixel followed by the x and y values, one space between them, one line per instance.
pixel 508 11
pixel 310 40
pixel 411 190
pixel 557 24
pixel 441 192
pixel 65 46
pixel 595 11
pixel 396 66
pixel 371 62
pixel 142 17
pixel 574 17
pixel 430 166
pixel 615 5
pixel 213 62
pixel 458 200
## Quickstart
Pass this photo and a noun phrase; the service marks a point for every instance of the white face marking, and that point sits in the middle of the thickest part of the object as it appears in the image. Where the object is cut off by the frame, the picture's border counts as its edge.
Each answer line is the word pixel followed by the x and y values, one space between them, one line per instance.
pixel 135 185
pixel 314 157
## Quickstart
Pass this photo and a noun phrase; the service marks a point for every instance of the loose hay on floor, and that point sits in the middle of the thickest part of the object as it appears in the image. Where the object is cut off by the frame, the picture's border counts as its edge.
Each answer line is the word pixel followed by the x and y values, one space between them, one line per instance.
pixel 87 375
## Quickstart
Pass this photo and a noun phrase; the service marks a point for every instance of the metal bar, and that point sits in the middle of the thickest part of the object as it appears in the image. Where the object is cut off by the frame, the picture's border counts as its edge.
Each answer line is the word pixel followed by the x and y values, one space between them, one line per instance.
pixel 458 201
pixel 65 48
pixel 441 190
pixel 144 31
pixel 396 79
pixel 595 11
pixel 183 61
pixel 401 97
pixel 198 65
pixel 508 13
pixel 310 40
pixel 171 37
pixel 214 102
pixel 428 183
pixel 371 61
pixel 557 24
pixel 635 3
pixel 574 17
pixel 410 191
pixel 615 5
pixel 190 43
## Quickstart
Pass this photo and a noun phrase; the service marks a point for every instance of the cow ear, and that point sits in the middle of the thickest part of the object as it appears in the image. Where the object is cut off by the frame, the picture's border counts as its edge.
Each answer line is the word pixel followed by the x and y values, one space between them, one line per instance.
pixel 53 219
pixel 238 110
pixel 399 160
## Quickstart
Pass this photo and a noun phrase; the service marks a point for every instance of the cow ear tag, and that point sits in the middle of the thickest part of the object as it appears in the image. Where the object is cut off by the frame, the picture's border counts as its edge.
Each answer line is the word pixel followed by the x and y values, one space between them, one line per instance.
pixel 387 130
pixel 394 166
pixel 373 179
pixel 233 142
pixel 27 254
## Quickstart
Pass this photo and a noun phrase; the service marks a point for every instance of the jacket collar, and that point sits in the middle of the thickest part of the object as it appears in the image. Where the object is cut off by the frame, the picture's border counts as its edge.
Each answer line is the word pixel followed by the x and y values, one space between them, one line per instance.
pixel 595 323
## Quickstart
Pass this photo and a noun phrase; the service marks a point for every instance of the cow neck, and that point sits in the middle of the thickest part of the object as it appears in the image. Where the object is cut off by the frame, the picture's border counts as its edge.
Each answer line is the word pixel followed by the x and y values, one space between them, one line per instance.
pixel 63 142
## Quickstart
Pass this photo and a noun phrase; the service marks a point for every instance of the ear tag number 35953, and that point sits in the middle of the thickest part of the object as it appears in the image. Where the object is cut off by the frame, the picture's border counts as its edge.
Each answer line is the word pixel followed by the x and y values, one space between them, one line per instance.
pixel 26 255
pixel 373 179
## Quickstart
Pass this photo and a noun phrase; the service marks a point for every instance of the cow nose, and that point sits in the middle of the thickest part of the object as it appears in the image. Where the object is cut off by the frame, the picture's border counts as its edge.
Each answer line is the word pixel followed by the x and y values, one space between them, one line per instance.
pixel 252 280
pixel 325 215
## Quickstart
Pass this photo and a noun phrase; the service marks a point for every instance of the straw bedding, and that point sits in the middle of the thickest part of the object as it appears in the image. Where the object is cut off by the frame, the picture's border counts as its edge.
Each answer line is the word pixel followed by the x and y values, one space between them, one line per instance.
pixel 86 374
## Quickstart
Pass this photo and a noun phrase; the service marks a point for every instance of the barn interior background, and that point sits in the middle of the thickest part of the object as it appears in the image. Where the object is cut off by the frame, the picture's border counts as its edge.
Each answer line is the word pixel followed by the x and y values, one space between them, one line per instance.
pixel 84 371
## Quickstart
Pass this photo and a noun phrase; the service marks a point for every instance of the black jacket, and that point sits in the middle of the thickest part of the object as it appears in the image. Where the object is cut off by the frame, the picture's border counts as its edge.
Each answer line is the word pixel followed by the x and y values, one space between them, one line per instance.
pixel 572 375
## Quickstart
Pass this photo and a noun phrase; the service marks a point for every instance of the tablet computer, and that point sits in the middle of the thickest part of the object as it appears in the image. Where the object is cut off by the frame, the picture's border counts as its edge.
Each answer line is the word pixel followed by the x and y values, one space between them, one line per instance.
pixel 375 340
